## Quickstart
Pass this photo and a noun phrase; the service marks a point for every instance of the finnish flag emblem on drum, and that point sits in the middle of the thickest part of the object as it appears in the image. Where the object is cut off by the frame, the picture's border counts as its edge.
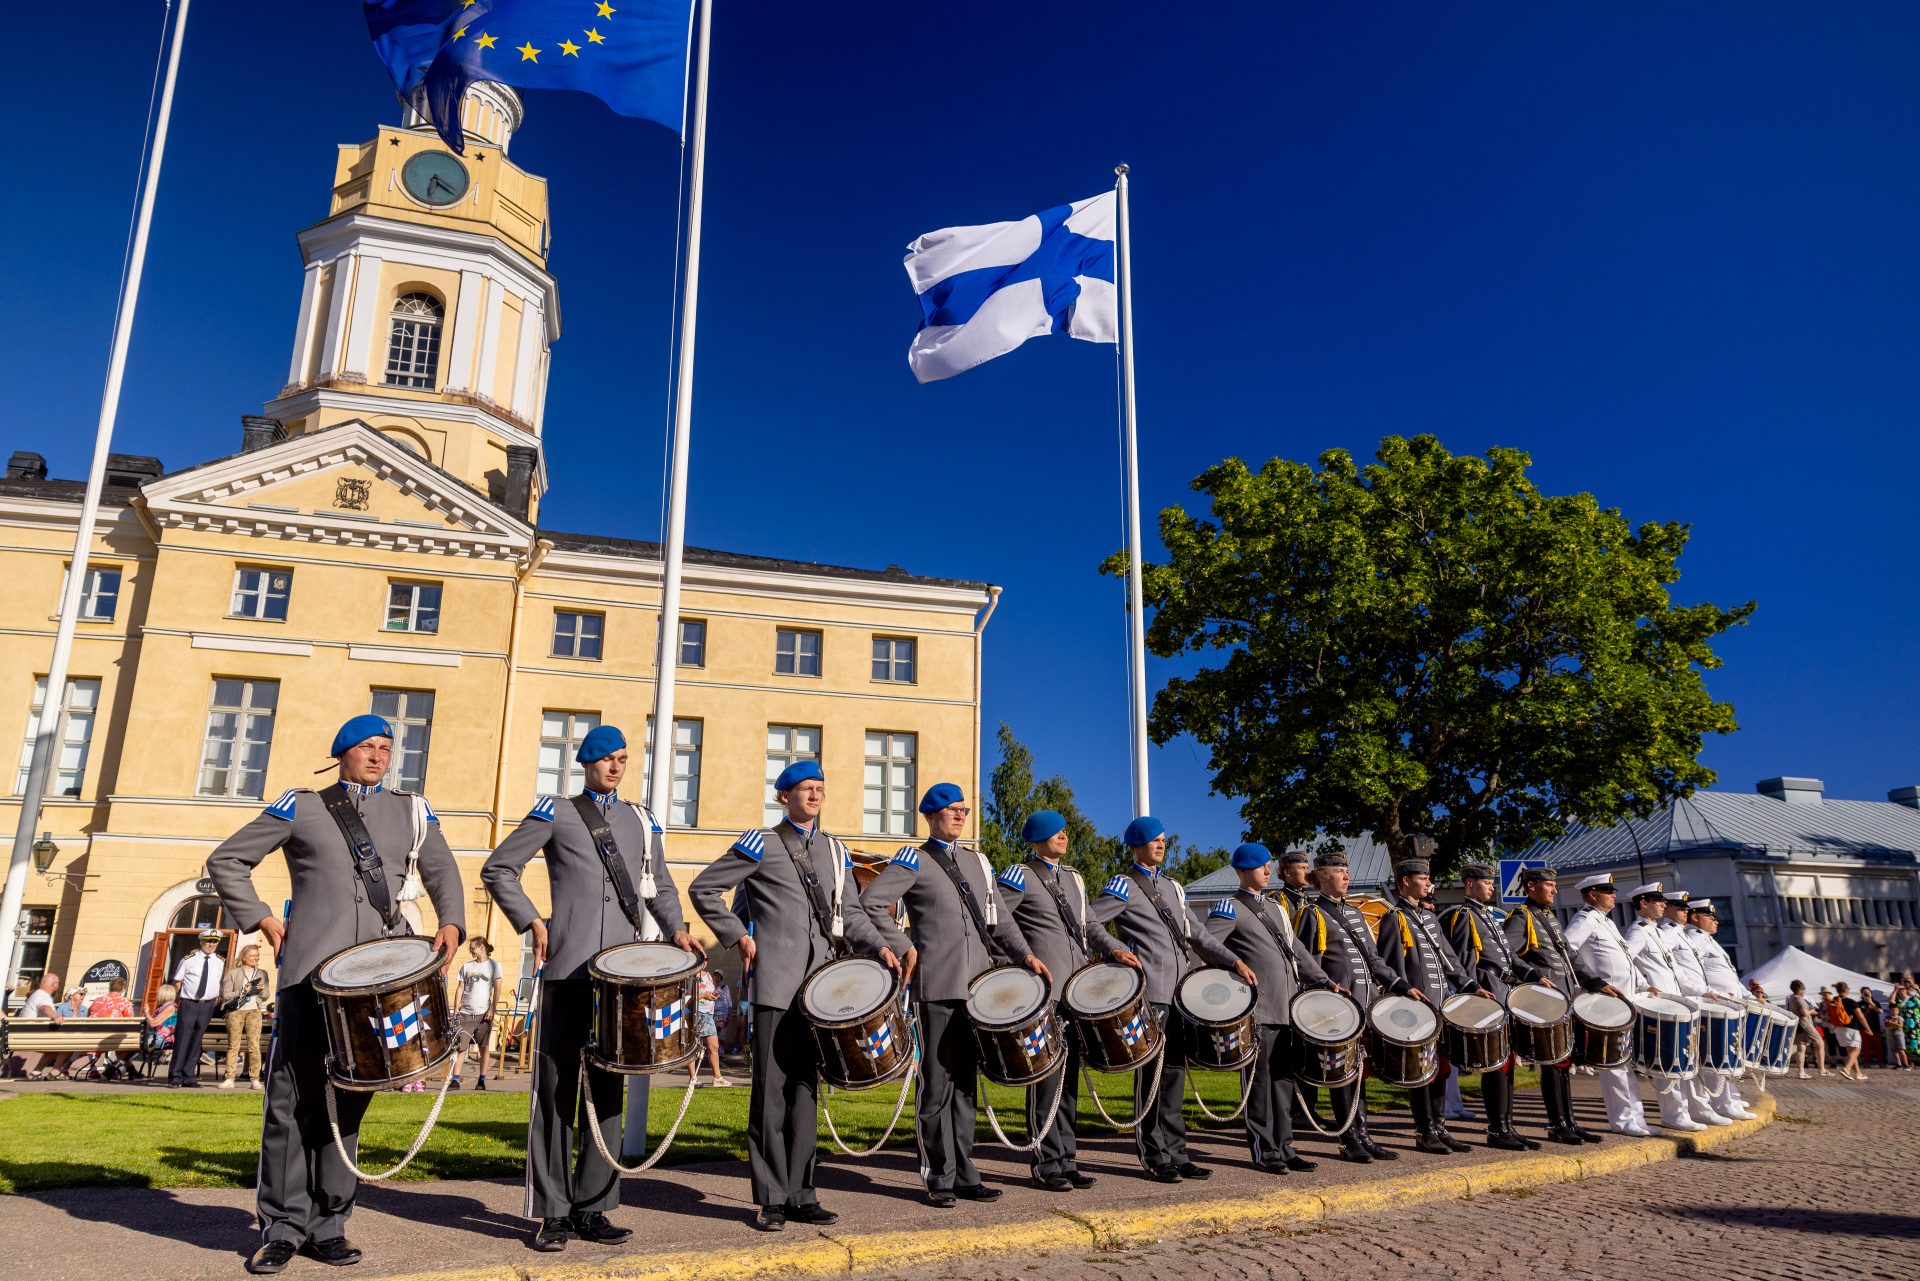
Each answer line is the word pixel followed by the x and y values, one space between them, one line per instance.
pixel 1135 1030
pixel 1035 1041
pixel 879 1040
pixel 665 1022
pixel 401 1026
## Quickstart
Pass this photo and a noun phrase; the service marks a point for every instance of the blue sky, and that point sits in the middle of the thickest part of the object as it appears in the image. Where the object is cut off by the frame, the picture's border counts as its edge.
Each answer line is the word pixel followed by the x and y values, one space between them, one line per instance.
pixel 1669 250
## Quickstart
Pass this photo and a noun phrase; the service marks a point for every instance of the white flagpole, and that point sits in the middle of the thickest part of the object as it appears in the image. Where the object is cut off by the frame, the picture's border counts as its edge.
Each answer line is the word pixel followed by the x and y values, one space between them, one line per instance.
pixel 42 758
pixel 1136 610
pixel 667 657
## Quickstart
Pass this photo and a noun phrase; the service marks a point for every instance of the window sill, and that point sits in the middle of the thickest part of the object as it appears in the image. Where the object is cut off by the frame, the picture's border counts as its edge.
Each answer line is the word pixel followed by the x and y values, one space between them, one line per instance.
pixel 574 658
pixel 249 618
pixel 797 676
pixel 902 684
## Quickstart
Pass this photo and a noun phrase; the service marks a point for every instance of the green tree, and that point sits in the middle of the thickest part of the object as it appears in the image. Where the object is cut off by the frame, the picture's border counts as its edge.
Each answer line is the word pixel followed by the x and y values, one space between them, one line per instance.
pixel 1014 795
pixel 1429 643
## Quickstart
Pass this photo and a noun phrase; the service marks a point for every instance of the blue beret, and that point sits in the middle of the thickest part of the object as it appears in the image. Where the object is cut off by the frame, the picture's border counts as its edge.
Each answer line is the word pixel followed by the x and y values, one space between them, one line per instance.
pixel 1042 825
pixel 941 795
pixel 797 773
pixel 1142 831
pixel 601 740
pixel 359 730
pixel 1251 855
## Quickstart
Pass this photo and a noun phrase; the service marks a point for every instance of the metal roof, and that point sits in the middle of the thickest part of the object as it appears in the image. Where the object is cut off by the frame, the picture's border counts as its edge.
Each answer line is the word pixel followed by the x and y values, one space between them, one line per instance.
pixel 1747 824
pixel 1368 865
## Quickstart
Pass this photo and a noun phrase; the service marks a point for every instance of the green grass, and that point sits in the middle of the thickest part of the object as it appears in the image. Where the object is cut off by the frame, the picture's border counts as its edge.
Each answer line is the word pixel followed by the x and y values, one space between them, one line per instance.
pixel 211 1140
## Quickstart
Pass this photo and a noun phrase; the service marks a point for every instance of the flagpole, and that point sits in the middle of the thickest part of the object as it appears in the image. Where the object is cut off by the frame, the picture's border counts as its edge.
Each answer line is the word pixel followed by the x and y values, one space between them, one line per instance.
pixel 1136 609
pixel 667 657
pixel 50 708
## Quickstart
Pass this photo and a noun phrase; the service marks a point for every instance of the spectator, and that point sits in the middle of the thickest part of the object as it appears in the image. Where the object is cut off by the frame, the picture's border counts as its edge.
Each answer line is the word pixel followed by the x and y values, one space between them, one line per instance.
pixel 723 1012
pixel 197 978
pixel 243 995
pixel 113 1005
pixel 1873 1041
pixel 1899 1010
pixel 74 1003
pixel 1806 1033
pixel 41 1005
pixel 162 1021
pixel 1843 1014
pixel 704 1029
pixel 479 987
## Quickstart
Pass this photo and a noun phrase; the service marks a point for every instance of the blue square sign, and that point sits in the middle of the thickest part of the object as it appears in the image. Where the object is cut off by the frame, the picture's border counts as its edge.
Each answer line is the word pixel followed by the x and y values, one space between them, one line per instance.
pixel 1510 869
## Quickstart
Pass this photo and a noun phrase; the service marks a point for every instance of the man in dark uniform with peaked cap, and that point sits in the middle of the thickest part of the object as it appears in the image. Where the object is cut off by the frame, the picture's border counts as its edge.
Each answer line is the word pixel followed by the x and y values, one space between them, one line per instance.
pixel 1482 946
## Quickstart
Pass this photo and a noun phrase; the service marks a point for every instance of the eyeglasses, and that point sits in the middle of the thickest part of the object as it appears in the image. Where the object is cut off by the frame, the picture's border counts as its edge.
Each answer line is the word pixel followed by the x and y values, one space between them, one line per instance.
pixel 959 811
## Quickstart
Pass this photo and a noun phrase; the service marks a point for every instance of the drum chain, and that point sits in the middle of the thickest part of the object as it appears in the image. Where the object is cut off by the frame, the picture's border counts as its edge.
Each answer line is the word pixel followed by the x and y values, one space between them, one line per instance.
pixel 666 1140
pixel 426 1127
pixel 1145 1109
pixel 899 1105
pixel 1046 1127
pixel 1353 1105
pixel 1246 1092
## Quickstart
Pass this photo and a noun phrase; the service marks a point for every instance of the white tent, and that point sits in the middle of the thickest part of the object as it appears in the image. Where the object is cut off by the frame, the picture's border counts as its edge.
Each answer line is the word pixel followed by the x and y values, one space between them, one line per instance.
pixel 1776 975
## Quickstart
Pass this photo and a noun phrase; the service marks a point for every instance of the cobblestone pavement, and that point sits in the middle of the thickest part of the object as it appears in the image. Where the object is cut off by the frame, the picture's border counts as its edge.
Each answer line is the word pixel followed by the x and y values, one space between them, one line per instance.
pixel 1831 1190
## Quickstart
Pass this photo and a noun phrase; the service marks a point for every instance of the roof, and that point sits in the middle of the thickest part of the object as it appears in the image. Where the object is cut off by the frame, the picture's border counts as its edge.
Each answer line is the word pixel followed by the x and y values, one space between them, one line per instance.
pixel 1368 864
pixel 1746 824
pixel 600 544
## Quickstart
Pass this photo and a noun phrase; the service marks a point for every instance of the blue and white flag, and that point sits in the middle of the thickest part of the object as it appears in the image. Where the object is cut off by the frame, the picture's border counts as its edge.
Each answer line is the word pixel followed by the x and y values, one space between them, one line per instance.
pixel 401 1026
pixel 985 290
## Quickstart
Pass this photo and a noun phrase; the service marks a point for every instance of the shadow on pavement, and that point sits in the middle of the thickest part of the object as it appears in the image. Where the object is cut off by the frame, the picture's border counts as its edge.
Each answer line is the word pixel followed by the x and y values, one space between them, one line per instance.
pixel 1795 1218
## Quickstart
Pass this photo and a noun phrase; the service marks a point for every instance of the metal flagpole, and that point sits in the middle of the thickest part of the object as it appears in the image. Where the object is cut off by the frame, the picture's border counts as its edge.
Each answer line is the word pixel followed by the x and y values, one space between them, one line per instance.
pixel 41 760
pixel 660 780
pixel 1136 610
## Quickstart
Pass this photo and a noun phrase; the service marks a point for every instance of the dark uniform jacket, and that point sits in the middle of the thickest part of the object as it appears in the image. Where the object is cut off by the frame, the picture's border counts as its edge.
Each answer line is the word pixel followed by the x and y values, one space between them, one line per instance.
pixel 1482 945
pixel 1534 934
pixel 1337 933
pixel 1413 946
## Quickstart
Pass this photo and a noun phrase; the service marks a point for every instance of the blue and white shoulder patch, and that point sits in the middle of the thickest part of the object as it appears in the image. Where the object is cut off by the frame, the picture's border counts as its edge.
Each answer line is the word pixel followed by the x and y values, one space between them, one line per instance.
pixel 283 808
pixel 1225 908
pixel 431 816
pixel 542 810
pixel 752 843
pixel 1120 888
pixel 1014 878
pixel 908 857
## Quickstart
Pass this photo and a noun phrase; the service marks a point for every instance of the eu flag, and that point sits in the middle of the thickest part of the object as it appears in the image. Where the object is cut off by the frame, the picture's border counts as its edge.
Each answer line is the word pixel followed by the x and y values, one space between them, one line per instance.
pixel 631 55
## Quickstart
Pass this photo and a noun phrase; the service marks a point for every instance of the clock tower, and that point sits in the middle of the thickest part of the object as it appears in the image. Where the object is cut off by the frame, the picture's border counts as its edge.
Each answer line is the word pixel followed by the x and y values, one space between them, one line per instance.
pixel 427 310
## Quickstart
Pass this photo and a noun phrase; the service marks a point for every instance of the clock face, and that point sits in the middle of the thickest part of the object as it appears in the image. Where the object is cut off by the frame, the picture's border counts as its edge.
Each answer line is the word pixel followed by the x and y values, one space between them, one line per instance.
pixel 434 178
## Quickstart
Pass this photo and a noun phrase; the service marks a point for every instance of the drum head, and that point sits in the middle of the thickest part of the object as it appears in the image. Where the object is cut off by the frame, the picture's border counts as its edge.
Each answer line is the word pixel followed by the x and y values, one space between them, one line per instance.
pixel 1101 988
pixel 1539 1006
pixel 1780 1017
pixel 1327 1017
pixel 1472 1011
pixel 1714 1008
pixel 1005 996
pixel 850 988
pixel 1664 1008
pixel 645 961
pixel 1403 1019
pixel 375 964
pixel 1214 995
pixel 1597 1009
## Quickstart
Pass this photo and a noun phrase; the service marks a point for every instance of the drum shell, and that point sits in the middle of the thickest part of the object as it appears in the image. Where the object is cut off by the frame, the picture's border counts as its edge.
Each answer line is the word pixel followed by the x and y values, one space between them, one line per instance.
pixel 1321 1062
pixel 845 1063
pixel 1722 1033
pixel 358 1056
pixel 1779 1041
pixel 1407 1064
pixel 623 1039
pixel 1001 1048
pixel 1476 1049
pixel 1542 1043
pixel 1218 1045
pixel 1103 1045
pixel 1665 1047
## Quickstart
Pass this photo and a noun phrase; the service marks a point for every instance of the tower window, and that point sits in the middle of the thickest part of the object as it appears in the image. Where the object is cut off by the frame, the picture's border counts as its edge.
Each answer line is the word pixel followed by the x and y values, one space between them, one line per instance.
pixel 413 344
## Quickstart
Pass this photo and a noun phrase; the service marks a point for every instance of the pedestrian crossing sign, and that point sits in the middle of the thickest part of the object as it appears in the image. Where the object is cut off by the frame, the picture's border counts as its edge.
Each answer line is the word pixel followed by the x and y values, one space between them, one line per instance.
pixel 1511 891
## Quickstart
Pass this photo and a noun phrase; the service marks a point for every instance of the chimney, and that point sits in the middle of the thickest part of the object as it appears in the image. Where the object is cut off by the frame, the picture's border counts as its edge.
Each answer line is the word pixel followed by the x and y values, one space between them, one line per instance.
pixel 1793 791
pixel 519 495
pixel 1907 796
pixel 257 432
pixel 26 465
pixel 132 470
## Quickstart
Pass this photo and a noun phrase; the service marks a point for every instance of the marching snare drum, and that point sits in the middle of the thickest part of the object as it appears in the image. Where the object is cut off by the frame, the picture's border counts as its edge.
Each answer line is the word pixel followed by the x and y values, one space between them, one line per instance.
pixel 1018 1035
pixel 644 996
pixel 1542 1023
pixel 1602 1031
pixel 1326 1029
pixel 1217 1007
pixel 1108 1004
pixel 1664 1037
pixel 1723 1027
pixel 859 1023
pixel 1476 1033
pixel 385 1009
pixel 1778 1041
pixel 1403 1041
pixel 1753 1032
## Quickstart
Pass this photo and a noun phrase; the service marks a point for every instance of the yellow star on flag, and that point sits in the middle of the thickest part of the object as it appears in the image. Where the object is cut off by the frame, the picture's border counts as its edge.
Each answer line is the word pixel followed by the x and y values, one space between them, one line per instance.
pixel 594 37
pixel 569 49
pixel 528 53
pixel 486 41
pixel 606 10
pixel 461 32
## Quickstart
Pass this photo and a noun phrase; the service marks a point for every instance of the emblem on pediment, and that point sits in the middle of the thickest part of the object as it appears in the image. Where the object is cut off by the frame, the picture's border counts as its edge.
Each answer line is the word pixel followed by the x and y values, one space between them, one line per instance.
pixel 352 494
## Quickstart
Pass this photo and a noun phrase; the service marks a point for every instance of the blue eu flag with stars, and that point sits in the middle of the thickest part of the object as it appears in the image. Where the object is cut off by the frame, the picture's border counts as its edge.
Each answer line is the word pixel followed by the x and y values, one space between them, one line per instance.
pixel 630 54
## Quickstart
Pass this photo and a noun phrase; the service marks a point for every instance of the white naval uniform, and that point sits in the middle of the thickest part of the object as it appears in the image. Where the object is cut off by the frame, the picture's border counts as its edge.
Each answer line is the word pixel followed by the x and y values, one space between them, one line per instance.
pixel 1653 957
pixel 1598 949
pixel 1712 1091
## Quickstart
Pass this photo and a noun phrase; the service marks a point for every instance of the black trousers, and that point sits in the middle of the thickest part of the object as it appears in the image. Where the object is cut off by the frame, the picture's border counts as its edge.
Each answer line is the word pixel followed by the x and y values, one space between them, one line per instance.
pixel 305 1190
pixel 189 1034
pixel 1161 1139
pixel 565 1172
pixel 1429 1104
pixel 783 1116
pixel 1340 1098
pixel 944 1105
pixel 1270 1105
pixel 1556 1087
pixel 1496 1092
pixel 1060 1151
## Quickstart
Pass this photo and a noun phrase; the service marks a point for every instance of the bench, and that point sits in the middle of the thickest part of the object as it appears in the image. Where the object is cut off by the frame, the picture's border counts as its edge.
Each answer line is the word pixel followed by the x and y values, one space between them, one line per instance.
pixel 40 1038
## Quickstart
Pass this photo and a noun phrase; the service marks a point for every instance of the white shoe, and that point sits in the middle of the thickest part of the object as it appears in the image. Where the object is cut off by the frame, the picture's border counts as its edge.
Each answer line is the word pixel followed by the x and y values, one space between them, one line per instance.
pixel 1630 1133
pixel 227 1084
pixel 259 1083
pixel 1711 1118
pixel 1742 1114
pixel 1683 1124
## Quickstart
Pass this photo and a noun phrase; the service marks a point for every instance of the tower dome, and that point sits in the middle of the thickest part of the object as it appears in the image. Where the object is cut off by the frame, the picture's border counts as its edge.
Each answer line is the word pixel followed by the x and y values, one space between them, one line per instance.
pixel 490 111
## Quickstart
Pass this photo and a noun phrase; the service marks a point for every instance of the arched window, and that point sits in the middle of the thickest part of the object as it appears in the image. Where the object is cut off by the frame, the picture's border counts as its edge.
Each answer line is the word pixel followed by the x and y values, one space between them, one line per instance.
pixel 413 344
pixel 203 913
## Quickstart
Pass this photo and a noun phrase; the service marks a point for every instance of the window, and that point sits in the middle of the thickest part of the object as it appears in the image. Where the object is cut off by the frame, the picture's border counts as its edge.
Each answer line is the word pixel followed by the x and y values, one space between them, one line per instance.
pixel 410 712
pixel 413 607
pixel 889 783
pixel 693 642
pixel 261 593
pixel 413 343
pixel 683 800
pixel 557 773
pixel 239 734
pixel 796 653
pixel 35 940
pixel 68 768
pixel 787 744
pixel 893 659
pixel 101 595
pixel 577 635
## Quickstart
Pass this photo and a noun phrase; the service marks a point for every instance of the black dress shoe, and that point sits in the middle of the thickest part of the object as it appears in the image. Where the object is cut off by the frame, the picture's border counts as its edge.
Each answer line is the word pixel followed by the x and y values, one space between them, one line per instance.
pixel 977 1192
pixel 1081 1181
pixel 1506 1141
pixel 1275 1165
pixel 944 1200
pixel 271 1257
pixel 1453 1144
pixel 1559 1134
pixel 1356 1154
pixel 1433 1144
pixel 1585 1135
pixel 337 1251
pixel 1299 1164
pixel 772 1218
pixel 1164 1174
pixel 1188 1170
pixel 551 1236
pixel 813 1213
pixel 1054 1182
pixel 595 1227
pixel 1379 1153
pixel 1532 1145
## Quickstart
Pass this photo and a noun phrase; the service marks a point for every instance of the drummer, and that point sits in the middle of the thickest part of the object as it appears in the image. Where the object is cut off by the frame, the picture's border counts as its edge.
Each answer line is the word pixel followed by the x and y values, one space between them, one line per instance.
pixel 305 1190
pixel 1481 944
pixel 1601 956
pixel 1049 901
pixel 1255 929
pixel 956 921
pixel 1653 958
pixel 1723 981
pixel 1412 943
pixel 609 884
pixel 795 882
pixel 1294 889
pixel 1534 934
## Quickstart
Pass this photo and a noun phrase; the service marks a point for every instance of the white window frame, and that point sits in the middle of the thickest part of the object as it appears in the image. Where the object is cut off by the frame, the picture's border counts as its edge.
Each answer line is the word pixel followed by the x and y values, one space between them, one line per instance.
pixel 412 609
pixel 91 594
pixel 795 654
pixel 245 711
pixel 887 664
pixel 563 776
pixel 69 753
pixel 261 590
pixel 577 634
pixel 414 330
pixel 896 772
pixel 784 748
pixel 31 936
pixel 683 798
pixel 699 643
pixel 410 712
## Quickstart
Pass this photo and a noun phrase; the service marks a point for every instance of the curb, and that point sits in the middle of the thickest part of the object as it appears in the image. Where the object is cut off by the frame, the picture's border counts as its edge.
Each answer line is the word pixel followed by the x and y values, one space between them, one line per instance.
pixel 896 1251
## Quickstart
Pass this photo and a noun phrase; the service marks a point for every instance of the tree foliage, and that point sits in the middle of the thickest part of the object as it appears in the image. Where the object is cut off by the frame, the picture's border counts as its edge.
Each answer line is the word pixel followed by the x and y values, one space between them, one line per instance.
pixel 1430 644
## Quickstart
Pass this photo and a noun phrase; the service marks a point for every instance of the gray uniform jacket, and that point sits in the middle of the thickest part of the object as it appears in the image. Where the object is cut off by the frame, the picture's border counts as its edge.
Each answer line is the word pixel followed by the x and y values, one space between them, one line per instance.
pixel 330 908
pixel 788 943
pixel 1338 934
pixel 1412 944
pixel 1482 946
pixel 951 953
pixel 1164 959
pixel 1535 936
pixel 1063 946
pixel 586 912
pixel 1250 925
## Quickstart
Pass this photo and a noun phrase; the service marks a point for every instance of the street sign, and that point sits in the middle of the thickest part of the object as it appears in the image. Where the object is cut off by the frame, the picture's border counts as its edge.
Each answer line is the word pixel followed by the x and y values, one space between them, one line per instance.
pixel 1510 869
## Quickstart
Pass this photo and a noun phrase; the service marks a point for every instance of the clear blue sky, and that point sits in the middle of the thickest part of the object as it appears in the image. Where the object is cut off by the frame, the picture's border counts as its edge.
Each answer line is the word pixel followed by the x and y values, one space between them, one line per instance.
pixel 1672 251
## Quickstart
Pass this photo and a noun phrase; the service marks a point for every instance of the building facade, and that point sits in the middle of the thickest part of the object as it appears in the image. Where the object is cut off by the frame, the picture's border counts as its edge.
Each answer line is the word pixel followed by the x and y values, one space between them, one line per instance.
pixel 376 544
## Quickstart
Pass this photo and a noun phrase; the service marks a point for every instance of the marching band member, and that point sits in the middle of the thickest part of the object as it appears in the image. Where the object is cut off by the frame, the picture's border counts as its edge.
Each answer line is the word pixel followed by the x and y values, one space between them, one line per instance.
pixel 1050 905
pixel 1723 1090
pixel 608 878
pixel 1653 958
pixel 1255 929
pixel 957 918
pixel 1705 1086
pixel 1151 914
pixel 1533 932
pixel 346 892
pixel 1482 946
pixel 1294 887
pixel 795 879
pixel 1601 952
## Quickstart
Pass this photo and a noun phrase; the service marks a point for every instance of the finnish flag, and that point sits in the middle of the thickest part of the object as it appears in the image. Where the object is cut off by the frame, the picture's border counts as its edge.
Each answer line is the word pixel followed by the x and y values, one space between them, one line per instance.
pixel 985 290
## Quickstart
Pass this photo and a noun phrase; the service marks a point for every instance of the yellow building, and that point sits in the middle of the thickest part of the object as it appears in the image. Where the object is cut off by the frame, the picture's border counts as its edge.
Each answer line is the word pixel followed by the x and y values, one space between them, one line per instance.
pixel 375 543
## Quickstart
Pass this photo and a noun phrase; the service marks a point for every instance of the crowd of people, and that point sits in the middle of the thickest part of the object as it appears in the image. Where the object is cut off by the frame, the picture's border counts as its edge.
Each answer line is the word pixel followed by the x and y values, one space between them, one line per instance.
pixel 1856 1031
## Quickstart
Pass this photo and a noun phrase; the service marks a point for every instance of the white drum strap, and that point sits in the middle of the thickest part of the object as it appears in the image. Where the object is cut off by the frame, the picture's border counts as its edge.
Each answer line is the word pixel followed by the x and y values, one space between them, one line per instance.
pixel 1186 921
pixel 1246 1092
pixel 1080 900
pixel 460 1041
pixel 410 885
pixel 992 904
pixel 666 1140
pixel 840 860
pixel 649 928
pixel 1046 1126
